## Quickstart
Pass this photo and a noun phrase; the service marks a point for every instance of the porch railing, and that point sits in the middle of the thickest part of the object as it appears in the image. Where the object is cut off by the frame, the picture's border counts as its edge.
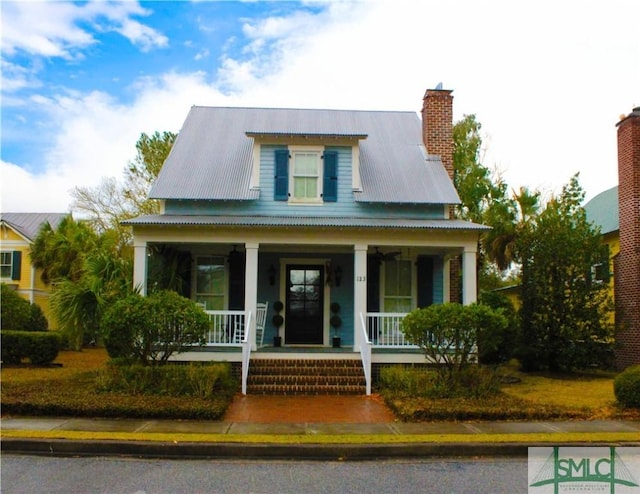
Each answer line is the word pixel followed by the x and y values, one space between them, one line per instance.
pixel 247 340
pixel 226 327
pixel 365 353
pixel 384 330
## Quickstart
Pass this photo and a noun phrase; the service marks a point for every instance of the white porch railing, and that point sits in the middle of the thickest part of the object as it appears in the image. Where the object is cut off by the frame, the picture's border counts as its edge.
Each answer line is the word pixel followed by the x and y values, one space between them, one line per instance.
pixel 247 342
pixel 384 330
pixel 226 327
pixel 365 353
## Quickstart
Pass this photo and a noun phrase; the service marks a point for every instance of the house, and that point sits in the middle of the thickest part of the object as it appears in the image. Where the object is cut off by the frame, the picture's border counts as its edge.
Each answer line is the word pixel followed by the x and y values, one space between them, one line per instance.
pixel 17 232
pixel 602 211
pixel 627 262
pixel 328 212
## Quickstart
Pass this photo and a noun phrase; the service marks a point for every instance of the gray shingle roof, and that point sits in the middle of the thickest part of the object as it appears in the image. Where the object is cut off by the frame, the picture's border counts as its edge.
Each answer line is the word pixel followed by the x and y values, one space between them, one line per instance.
pixel 603 210
pixel 291 221
pixel 28 224
pixel 212 156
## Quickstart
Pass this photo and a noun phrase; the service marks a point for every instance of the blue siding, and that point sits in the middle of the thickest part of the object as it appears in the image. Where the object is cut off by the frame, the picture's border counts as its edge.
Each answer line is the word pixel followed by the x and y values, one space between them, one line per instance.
pixel 438 280
pixel 345 206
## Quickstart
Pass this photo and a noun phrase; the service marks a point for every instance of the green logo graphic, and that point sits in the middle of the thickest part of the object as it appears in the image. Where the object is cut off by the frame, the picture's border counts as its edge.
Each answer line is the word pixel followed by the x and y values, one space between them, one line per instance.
pixel 584 470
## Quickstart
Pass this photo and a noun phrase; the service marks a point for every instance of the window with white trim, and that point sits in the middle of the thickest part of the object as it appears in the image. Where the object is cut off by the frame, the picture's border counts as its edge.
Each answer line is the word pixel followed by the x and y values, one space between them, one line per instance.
pixel 306 174
pixel 210 282
pixel 397 295
pixel 6 264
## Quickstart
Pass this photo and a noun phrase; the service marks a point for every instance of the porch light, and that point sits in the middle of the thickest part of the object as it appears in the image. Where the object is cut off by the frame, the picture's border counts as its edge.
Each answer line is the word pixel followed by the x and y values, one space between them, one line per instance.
pixel 337 275
pixel 272 275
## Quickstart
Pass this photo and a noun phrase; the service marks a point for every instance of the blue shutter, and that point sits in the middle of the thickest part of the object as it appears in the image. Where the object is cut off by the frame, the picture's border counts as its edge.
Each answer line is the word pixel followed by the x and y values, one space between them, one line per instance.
pixel 330 184
pixel 16 264
pixel 281 186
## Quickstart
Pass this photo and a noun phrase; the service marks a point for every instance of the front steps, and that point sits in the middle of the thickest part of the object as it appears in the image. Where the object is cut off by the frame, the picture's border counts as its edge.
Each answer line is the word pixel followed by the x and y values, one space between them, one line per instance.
pixel 306 377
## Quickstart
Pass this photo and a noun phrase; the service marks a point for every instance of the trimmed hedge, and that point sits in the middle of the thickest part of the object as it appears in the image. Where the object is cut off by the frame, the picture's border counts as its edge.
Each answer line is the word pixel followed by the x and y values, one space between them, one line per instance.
pixel 626 387
pixel 18 314
pixel 40 347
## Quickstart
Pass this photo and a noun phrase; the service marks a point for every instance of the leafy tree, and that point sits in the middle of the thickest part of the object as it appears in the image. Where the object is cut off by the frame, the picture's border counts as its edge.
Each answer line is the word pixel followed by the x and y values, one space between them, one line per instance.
pixel 564 310
pixel 111 202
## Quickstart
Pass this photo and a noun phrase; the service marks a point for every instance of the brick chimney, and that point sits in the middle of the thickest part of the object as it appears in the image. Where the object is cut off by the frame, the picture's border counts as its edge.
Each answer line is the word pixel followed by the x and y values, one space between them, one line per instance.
pixel 437 125
pixel 627 263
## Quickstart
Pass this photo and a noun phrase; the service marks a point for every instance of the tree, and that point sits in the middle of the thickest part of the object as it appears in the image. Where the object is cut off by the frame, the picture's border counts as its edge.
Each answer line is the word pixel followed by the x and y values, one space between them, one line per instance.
pixel 564 310
pixel 112 202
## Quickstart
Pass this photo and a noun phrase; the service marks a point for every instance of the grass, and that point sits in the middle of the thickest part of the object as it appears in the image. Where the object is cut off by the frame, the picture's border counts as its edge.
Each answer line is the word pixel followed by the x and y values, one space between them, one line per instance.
pixel 584 396
pixel 69 388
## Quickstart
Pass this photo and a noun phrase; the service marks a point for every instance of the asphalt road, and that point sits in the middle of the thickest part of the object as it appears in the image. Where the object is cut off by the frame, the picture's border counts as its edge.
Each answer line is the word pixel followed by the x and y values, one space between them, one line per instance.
pixel 34 475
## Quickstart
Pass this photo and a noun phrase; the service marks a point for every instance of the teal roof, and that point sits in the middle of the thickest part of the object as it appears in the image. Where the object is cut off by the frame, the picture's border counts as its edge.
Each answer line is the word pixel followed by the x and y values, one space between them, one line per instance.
pixel 603 210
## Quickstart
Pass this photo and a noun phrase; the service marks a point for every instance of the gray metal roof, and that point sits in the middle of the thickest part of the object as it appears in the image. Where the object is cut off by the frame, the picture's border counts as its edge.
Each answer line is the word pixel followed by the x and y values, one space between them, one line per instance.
pixel 603 210
pixel 291 221
pixel 212 156
pixel 28 224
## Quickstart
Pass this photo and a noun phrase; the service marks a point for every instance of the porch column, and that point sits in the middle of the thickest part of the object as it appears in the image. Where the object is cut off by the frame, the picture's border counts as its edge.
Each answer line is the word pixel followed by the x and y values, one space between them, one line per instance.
pixel 251 287
pixel 469 281
pixel 140 266
pixel 359 290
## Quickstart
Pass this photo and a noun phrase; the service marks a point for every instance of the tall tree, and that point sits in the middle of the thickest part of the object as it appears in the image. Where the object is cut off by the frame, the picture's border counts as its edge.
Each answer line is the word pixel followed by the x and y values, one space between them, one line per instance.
pixel 564 310
pixel 108 204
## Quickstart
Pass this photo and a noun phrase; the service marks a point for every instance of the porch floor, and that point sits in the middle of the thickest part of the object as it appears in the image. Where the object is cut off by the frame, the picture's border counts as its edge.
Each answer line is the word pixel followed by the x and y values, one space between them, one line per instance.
pixel 273 409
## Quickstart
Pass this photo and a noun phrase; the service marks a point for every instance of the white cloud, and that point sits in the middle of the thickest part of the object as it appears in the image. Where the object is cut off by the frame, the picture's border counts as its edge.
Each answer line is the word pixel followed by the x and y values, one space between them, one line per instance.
pixel 547 83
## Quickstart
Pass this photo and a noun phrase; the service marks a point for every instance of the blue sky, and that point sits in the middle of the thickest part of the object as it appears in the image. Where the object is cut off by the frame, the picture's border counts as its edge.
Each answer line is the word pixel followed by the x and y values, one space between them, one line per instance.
pixel 81 80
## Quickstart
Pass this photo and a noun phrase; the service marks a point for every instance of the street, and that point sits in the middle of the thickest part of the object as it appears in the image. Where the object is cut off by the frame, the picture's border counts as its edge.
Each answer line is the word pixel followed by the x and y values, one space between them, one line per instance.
pixel 50 475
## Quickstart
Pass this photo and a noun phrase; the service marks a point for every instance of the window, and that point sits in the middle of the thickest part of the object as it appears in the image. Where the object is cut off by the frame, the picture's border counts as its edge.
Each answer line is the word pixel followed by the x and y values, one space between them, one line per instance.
pixel 306 174
pixel 210 282
pixel 6 264
pixel 397 286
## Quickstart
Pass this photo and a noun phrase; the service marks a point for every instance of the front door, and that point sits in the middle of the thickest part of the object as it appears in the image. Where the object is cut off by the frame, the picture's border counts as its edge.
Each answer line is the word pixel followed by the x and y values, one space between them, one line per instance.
pixel 304 305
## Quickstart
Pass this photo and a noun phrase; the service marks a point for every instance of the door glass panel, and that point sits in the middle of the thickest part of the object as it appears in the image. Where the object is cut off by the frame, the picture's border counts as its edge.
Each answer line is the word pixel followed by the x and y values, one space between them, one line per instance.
pixel 304 314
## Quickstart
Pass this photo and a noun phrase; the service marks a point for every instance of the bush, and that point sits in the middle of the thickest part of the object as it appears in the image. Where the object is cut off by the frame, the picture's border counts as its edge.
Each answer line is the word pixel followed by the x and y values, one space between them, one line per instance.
pixel 475 382
pixel 448 333
pixel 498 344
pixel 199 380
pixel 151 329
pixel 39 347
pixel 626 387
pixel 18 314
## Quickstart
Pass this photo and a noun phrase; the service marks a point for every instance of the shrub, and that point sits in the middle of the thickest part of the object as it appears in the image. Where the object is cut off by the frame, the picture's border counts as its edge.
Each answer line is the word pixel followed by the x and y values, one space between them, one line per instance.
pixel 409 381
pixel 18 314
pixel 151 329
pixel 39 347
pixel 626 387
pixel 449 333
pixel 198 380
pixel 498 344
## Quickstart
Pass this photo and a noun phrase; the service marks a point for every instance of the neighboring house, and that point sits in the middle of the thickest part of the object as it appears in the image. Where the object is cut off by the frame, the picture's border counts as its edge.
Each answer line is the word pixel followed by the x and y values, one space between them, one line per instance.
pixel 17 232
pixel 312 208
pixel 602 210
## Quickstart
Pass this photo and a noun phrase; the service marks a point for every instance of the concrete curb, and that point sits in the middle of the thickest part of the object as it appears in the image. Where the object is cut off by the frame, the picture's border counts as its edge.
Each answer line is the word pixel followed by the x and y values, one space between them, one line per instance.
pixel 190 450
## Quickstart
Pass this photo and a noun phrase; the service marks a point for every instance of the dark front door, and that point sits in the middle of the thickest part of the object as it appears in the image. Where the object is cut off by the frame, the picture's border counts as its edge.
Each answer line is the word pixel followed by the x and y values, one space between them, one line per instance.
pixel 304 310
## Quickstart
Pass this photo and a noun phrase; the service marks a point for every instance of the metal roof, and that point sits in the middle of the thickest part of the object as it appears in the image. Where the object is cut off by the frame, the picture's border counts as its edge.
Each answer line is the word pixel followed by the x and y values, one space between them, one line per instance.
pixel 28 224
pixel 306 221
pixel 212 157
pixel 603 210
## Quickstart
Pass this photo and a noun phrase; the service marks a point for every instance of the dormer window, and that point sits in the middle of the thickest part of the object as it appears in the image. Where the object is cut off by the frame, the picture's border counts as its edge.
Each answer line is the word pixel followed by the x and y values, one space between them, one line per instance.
pixel 306 174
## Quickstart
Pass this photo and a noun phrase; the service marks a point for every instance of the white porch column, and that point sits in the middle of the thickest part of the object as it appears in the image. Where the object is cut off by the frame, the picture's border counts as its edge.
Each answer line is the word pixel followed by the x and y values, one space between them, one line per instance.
pixel 469 282
pixel 140 266
pixel 359 290
pixel 251 286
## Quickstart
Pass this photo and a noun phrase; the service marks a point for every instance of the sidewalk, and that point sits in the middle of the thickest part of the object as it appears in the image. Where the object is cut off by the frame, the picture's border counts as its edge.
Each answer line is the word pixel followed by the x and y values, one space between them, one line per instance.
pixel 328 427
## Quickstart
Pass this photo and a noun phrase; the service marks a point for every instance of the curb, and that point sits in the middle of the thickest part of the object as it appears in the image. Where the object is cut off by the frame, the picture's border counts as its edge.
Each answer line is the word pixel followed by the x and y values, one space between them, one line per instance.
pixel 344 452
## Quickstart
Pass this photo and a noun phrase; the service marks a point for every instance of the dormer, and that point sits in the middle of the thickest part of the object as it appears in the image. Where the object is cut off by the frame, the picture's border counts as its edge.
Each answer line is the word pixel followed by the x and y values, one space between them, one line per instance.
pixel 305 164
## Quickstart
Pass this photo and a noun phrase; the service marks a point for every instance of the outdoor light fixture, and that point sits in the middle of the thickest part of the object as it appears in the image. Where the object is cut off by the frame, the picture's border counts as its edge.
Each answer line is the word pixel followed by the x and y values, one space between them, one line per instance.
pixel 272 275
pixel 337 275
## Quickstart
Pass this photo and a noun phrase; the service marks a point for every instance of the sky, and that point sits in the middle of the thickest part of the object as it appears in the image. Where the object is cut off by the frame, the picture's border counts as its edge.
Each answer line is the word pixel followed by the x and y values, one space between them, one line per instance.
pixel 547 79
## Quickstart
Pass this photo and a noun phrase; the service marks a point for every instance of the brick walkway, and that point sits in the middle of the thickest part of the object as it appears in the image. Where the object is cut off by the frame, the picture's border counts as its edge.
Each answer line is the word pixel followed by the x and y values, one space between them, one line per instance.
pixel 341 409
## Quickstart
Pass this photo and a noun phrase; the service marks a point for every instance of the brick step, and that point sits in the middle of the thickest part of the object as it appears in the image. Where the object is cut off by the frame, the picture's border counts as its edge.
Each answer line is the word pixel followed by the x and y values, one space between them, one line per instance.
pixel 299 389
pixel 307 380
pixel 305 371
pixel 311 377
